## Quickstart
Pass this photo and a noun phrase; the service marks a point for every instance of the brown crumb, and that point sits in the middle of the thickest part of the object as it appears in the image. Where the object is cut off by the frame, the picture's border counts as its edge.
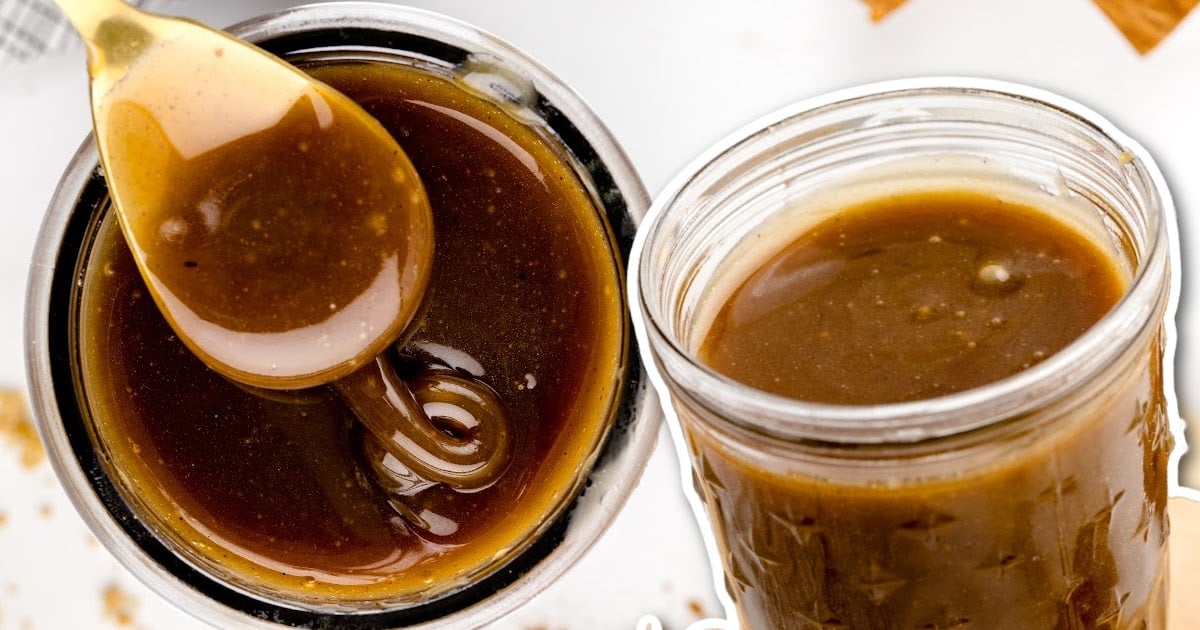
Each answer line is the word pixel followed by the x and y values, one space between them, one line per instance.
pixel 46 510
pixel 881 8
pixel 119 606
pixel 3 519
pixel 1146 22
pixel 16 428
pixel 696 608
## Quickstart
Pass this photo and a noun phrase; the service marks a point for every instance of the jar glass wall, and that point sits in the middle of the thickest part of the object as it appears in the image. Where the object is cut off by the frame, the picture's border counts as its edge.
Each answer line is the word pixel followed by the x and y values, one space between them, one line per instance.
pixel 1036 500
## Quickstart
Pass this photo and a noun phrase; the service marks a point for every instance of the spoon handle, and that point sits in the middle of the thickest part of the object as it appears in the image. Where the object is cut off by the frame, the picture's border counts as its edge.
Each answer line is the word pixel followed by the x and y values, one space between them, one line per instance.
pixel 114 34
pixel 87 15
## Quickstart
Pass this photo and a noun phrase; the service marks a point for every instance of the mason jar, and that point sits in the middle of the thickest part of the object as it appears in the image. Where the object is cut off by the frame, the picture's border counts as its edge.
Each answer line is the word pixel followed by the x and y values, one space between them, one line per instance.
pixel 134 515
pixel 1035 501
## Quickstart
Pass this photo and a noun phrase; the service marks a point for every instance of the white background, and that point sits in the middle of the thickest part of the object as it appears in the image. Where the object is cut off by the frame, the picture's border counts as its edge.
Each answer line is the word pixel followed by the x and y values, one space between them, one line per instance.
pixel 669 77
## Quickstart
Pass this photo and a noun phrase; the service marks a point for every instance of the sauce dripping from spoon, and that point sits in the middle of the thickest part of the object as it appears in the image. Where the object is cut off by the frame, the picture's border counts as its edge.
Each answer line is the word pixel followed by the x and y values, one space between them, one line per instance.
pixel 281 230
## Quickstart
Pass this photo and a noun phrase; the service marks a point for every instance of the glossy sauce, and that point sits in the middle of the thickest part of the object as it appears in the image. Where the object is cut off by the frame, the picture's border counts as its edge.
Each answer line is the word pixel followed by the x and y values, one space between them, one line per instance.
pixel 280 228
pixel 1057 525
pixel 274 489
pixel 912 298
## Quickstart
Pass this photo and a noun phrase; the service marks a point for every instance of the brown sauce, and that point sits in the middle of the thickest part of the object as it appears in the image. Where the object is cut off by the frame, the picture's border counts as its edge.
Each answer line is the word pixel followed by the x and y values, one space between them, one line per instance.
pixel 1054 527
pixel 911 298
pixel 272 489
pixel 230 171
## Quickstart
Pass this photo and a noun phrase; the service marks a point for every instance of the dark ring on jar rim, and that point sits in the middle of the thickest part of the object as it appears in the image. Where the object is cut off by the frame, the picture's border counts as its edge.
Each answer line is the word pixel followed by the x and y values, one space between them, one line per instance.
pixel 622 454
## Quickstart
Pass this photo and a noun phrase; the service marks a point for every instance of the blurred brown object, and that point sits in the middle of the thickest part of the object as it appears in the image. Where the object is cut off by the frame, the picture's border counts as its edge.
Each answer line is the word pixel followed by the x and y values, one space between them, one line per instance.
pixel 880 8
pixel 1146 22
pixel 17 429
pixel 1189 465
pixel 1184 609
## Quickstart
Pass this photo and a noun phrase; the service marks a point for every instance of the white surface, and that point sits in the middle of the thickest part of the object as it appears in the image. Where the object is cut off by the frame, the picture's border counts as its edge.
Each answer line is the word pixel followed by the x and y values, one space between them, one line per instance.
pixel 669 77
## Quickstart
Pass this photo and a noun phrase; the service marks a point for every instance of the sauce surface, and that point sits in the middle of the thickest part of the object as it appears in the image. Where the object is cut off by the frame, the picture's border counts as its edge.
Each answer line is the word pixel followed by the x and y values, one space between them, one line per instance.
pixel 1058 524
pixel 272 488
pixel 909 298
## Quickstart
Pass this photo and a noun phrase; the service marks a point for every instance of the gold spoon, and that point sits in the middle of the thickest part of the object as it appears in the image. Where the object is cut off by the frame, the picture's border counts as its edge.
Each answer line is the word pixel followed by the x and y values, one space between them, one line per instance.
pixel 281 230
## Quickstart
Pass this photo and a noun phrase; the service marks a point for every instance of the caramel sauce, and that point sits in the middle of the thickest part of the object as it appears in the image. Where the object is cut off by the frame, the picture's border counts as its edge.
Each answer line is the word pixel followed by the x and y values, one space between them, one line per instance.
pixel 281 230
pixel 910 298
pixel 1058 524
pixel 275 489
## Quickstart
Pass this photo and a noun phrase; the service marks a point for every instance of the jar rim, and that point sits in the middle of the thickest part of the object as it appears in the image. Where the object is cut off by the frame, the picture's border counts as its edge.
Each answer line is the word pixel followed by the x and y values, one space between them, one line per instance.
pixel 934 418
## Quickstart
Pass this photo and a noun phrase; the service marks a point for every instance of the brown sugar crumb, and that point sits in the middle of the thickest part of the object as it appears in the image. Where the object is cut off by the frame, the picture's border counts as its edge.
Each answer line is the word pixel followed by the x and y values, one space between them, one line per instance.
pixel 1146 22
pixel 16 429
pixel 119 606
pixel 881 8
pixel 696 608
pixel 46 510
pixel 3 519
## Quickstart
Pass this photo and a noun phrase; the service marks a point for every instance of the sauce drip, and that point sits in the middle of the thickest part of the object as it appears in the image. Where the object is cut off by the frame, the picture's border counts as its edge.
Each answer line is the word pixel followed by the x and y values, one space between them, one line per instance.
pixel 281 230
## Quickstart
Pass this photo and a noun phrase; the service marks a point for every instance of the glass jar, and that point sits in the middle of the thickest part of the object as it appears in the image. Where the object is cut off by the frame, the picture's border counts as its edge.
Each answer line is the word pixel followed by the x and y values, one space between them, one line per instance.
pixel 176 567
pixel 1036 501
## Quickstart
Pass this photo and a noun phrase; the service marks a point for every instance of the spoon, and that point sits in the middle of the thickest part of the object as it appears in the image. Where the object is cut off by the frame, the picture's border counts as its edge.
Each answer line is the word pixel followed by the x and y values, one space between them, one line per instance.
pixel 281 230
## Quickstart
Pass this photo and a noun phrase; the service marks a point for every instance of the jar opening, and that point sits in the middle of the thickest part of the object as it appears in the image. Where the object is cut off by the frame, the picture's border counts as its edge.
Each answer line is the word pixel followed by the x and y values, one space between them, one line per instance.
pixel 874 133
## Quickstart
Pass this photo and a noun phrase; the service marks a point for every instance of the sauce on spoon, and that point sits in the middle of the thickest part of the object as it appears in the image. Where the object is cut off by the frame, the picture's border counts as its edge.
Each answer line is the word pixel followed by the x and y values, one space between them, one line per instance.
pixel 281 230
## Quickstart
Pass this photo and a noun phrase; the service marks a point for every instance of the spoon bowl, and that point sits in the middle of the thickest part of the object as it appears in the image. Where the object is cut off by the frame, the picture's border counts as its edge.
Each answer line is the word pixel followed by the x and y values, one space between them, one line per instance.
pixel 282 231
